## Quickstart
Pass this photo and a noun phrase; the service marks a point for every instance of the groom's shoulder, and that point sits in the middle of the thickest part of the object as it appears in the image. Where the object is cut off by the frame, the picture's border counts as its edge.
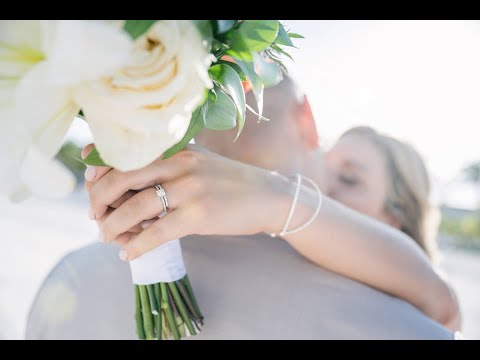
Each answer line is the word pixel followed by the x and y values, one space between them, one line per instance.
pixel 76 290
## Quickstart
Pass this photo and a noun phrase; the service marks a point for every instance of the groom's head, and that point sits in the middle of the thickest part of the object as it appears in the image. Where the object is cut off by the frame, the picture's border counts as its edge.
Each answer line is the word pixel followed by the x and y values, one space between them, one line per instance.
pixel 282 143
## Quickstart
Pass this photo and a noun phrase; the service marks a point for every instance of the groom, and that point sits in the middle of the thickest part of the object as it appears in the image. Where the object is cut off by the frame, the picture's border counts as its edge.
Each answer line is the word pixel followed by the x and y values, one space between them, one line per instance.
pixel 249 287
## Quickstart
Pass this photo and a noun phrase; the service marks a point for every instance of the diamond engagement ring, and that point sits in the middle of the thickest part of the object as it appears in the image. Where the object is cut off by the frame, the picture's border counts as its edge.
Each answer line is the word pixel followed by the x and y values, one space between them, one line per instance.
pixel 163 196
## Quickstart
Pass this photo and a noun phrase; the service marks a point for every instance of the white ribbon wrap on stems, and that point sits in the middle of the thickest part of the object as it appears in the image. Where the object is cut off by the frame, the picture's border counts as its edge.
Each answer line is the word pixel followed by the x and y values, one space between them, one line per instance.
pixel 161 265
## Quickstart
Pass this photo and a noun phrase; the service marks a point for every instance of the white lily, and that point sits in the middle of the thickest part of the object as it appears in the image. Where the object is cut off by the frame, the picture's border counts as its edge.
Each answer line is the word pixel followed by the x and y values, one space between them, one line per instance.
pixel 40 64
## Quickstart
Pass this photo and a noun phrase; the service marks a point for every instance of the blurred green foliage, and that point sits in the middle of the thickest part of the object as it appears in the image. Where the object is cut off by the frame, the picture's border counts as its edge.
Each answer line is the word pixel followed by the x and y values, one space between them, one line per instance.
pixel 465 232
pixel 69 155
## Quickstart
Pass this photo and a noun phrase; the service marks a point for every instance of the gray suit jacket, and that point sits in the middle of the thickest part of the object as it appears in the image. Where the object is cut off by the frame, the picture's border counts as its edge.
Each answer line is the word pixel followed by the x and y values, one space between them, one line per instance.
pixel 249 287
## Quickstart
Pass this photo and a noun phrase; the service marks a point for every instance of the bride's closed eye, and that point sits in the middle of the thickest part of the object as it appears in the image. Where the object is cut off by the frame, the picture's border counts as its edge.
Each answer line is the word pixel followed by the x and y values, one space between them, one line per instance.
pixel 348 180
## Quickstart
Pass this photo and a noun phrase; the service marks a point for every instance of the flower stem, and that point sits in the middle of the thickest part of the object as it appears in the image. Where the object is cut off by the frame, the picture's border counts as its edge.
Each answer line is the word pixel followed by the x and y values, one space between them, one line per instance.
pixel 138 314
pixel 186 299
pixel 151 298
pixel 168 312
pixel 181 307
pixel 147 313
pixel 176 314
pixel 188 286
pixel 158 299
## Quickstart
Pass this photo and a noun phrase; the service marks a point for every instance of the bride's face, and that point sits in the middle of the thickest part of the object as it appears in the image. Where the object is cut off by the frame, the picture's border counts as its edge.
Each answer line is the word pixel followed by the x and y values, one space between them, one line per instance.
pixel 358 176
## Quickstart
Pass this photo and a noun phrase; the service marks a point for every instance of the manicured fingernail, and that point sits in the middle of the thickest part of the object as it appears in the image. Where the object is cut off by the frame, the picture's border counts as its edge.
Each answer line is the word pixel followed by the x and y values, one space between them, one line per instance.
pixel 101 237
pixel 145 224
pixel 90 173
pixel 123 255
pixel 91 215
pixel 85 153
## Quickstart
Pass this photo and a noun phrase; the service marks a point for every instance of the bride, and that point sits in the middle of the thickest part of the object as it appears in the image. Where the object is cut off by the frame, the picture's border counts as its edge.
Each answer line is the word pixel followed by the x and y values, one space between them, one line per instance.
pixel 237 193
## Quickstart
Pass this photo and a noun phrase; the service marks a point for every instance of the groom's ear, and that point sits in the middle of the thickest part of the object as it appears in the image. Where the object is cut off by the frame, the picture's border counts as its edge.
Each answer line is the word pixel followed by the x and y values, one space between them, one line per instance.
pixel 307 126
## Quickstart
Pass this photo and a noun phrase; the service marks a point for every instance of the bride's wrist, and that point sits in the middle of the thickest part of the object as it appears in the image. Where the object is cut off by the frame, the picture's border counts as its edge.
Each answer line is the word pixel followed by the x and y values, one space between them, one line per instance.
pixel 283 191
pixel 280 193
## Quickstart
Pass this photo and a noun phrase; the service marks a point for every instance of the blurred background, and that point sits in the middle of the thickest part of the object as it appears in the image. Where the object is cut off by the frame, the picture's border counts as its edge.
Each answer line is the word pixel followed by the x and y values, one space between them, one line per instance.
pixel 416 80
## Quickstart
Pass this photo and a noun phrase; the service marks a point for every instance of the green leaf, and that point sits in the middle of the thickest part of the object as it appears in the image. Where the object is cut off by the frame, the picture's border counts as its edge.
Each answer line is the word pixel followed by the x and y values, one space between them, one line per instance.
pixel 295 36
pixel 269 72
pixel 224 25
pixel 94 159
pixel 204 27
pixel 235 67
pixel 257 85
pixel 221 114
pixel 196 125
pixel 137 27
pixel 259 34
pixel 238 47
pixel 283 38
pixel 281 51
pixel 232 83
pixel 212 95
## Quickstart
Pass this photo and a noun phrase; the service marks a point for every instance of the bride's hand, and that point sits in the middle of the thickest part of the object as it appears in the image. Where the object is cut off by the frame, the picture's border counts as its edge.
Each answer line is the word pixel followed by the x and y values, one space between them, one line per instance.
pixel 207 194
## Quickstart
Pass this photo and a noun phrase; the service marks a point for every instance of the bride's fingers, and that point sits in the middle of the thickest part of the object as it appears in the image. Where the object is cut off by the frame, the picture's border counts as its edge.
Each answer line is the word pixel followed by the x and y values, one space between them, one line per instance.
pixel 124 238
pixel 93 173
pixel 87 150
pixel 115 183
pixel 142 206
pixel 170 227
pixel 146 205
pixel 117 203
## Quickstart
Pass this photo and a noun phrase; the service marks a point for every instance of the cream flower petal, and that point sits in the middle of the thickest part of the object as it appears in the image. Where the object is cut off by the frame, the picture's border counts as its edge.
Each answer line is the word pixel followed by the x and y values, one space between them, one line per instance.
pixel 25 170
pixel 13 145
pixel 47 111
pixel 84 50
pixel 20 34
pixel 127 149
pixel 20 47
pixel 46 177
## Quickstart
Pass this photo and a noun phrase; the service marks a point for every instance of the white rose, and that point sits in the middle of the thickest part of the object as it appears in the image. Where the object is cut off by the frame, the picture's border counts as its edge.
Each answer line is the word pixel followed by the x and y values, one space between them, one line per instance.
pixel 145 107
pixel 40 63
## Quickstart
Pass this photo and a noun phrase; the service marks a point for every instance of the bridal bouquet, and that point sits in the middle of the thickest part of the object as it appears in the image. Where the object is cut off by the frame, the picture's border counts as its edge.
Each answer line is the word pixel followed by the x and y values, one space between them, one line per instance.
pixel 146 88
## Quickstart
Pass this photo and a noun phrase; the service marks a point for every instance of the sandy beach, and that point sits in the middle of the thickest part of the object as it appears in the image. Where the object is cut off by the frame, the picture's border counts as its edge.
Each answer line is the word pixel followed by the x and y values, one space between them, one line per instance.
pixel 37 233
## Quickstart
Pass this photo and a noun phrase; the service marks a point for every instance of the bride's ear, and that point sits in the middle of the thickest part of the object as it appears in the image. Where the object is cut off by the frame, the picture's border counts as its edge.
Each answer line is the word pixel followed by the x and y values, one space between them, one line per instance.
pixel 307 126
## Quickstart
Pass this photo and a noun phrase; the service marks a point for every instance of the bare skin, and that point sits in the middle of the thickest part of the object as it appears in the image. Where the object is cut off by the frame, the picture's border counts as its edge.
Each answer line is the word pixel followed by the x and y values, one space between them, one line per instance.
pixel 211 194
pixel 231 190
pixel 358 177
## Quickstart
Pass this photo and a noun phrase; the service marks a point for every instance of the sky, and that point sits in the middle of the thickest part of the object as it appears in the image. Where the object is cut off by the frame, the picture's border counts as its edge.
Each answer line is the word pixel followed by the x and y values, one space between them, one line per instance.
pixel 415 80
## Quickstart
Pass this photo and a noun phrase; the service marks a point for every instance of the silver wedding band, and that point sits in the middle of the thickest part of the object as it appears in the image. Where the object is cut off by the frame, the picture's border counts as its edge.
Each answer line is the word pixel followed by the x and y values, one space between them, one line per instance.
pixel 162 195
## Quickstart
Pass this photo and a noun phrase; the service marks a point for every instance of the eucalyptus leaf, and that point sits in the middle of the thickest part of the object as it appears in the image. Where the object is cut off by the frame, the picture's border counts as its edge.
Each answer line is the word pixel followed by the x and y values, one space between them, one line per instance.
pixel 137 28
pixel 221 114
pixel 235 67
pixel 257 85
pixel 94 159
pixel 230 80
pixel 282 37
pixel 196 125
pixel 281 51
pixel 224 25
pixel 295 36
pixel 258 35
pixel 239 48
pixel 269 72
pixel 204 27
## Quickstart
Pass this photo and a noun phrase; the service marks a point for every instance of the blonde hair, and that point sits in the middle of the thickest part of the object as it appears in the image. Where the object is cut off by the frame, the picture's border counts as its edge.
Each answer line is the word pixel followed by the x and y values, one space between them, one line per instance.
pixel 408 197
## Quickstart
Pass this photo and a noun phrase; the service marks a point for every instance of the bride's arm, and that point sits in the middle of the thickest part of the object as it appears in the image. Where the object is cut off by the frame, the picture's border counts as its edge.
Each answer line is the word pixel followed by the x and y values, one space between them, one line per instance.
pixel 210 194
pixel 362 248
